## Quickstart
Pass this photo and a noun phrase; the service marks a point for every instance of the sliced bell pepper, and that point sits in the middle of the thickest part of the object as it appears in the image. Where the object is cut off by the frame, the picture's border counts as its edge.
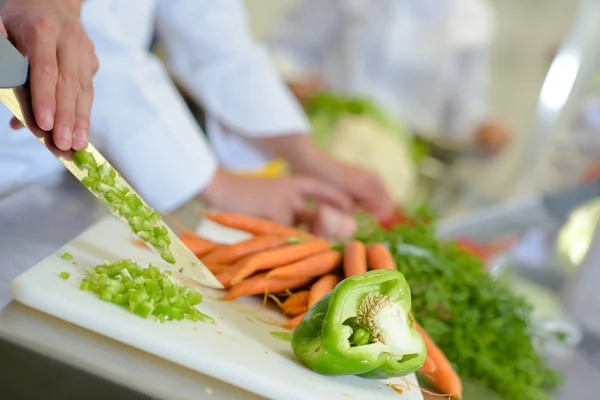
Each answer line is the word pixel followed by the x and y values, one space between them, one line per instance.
pixel 362 327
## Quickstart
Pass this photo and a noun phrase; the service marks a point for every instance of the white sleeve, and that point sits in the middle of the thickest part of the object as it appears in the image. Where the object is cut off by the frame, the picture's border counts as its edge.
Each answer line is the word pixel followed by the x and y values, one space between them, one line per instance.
pixel 303 35
pixel 140 120
pixel 212 54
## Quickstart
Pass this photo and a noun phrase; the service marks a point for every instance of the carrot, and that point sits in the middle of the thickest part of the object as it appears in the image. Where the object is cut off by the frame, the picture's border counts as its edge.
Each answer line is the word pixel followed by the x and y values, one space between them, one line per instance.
pixel 197 245
pixel 253 225
pixel 379 257
pixel 277 257
pixel 296 304
pixel 429 366
pixel 355 259
pixel 259 284
pixel 320 288
pixel 442 376
pixel 317 265
pixel 185 232
pixel 235 252
pixel 227 275
pixel 293 323
pixel 217 268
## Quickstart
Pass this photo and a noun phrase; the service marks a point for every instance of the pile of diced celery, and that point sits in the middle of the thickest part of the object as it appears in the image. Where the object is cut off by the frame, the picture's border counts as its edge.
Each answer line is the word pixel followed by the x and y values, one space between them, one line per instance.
pixel 144 291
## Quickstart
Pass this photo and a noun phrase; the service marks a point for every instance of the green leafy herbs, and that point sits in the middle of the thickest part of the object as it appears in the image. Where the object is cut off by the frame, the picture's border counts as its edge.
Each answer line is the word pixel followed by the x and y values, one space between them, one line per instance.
pixel 102 181
pixel 482 327
pixel 147 292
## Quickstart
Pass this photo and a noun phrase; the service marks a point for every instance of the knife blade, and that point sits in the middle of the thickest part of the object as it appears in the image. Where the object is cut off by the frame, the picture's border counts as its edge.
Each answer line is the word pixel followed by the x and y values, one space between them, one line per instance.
pixel 16 96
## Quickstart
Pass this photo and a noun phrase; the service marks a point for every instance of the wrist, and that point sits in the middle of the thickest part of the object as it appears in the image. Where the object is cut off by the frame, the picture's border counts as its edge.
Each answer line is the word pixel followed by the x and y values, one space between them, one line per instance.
pixel 216 190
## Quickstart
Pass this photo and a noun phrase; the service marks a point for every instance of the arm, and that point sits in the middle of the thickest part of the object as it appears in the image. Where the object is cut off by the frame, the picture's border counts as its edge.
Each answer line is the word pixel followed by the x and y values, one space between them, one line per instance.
pixel 302 37
pixel 62 62
pixel 139 117
pixel 211 53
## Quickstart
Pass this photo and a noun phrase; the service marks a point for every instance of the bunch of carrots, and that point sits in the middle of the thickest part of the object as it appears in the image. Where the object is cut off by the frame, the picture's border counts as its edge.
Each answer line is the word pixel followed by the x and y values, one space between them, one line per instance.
pixel 278 260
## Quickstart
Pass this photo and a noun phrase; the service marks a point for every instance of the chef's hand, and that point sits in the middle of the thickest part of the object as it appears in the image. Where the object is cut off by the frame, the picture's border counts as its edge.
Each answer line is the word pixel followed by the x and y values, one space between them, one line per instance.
pixel 365 188
pixel 62 66
pixel 283 200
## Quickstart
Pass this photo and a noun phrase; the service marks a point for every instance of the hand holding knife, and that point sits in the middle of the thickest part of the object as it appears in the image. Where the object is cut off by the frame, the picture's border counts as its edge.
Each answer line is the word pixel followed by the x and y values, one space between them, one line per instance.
pixel 92 169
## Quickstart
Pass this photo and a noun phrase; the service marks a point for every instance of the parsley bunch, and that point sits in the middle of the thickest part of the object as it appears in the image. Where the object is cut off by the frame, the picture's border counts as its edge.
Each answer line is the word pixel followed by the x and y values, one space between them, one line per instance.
pixel 481 326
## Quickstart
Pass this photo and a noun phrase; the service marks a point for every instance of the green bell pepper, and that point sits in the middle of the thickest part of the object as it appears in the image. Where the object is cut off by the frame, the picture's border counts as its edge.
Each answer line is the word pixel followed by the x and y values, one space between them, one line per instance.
pixel 362 327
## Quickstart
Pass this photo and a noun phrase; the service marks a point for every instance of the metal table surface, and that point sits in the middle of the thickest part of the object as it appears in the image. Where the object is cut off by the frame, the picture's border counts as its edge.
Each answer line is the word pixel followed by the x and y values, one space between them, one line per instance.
pixel 60 360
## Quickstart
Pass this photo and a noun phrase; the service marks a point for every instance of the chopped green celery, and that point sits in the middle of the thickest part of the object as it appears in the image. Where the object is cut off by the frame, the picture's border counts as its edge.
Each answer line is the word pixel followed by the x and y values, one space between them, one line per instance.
pixel 104 170
pixel 146 236
pixel 88 182
pixel 112 173
pixel 67 256
pixel 154 217
pixel 194 298
pixel 113 197
pixel 83 158
pixel 108 181
pixel 144 310
pixel 106 295
pixel 177 313
pixel 144 292
pixel 103 187
pixel 167 256
pixel 64 275
pixel 160 231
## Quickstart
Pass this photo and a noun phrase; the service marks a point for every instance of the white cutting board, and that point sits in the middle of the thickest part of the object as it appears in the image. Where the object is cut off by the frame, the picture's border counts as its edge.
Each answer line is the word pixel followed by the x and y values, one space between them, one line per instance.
pixel 239 349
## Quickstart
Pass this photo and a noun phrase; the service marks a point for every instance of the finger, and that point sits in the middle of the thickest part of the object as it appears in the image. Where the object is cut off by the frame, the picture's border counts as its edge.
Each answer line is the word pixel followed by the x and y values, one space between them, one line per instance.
pixel 325 193
pixel 3 29
pixel 67 90
pixel 44 77
pixel 83 107
pixel 15 123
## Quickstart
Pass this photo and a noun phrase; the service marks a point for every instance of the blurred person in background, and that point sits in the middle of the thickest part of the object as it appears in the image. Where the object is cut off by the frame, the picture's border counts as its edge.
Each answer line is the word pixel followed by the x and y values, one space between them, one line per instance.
pixel 425 61
pixel 146 129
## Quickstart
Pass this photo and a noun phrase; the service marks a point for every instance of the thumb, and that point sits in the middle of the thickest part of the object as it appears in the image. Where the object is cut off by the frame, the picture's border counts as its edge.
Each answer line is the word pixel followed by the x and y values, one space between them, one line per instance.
pixel 309 187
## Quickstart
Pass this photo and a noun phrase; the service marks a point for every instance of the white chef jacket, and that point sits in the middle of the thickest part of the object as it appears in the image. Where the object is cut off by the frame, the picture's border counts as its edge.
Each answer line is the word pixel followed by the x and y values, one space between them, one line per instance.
pixel 141 122
pixel 426 61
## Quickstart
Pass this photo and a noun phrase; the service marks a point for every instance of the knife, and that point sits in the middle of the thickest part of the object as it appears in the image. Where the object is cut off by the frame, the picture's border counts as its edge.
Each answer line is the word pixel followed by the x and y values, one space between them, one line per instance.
pixel 16 96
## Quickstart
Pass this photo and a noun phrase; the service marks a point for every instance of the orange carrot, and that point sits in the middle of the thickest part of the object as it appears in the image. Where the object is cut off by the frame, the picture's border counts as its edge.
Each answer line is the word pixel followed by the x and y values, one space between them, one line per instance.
pixel 259 284
pixel 253 225
pixel 316 265
pixel 277 257
pixel 355 259
pixel 429 366
pixel 293 323
pixel 235 252
pixel 442 376
pixel 227 275
pixel 379 257
pixel 185 232
pixel 320 288
pixel 296 304
pixel 217 268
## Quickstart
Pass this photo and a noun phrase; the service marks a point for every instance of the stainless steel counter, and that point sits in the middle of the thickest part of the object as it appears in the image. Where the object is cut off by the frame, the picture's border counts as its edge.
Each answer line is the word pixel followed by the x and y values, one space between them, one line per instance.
pixel 35 222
